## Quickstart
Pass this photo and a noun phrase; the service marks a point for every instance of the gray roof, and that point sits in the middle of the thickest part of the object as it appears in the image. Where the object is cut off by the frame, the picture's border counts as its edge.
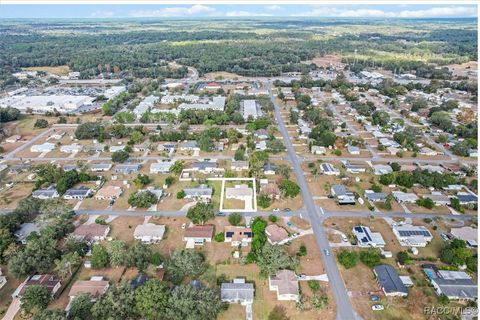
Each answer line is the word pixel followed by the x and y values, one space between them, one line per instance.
pixel 237 291
pixel 80 191
pixel 388 279
pixel 467 198
pixel 198 191
pixel 341 190
pixel 454 284
pixel 269 167
pixel 127 167
pixel 188 144
pixel 202 165
pixel 100 165
pixel 375 195
pixel 69 167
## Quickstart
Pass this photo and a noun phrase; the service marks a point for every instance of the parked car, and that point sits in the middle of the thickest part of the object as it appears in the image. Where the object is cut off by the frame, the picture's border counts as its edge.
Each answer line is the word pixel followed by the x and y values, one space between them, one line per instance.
pixel 327 253
pixel 221 214
pixel 344 238
pixel 444 237
pixel 377 307
pixel 374 298
pixel 276 210
pixel 184 225
pixel 287 210
pixel 289 224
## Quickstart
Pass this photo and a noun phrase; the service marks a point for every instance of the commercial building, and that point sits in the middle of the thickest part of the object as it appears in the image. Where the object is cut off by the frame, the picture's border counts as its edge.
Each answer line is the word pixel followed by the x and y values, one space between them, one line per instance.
pixel 146 104
pixel 48 103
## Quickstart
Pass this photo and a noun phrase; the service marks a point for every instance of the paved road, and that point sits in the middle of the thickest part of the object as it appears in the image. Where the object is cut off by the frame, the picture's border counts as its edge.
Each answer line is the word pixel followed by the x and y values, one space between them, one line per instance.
pixel 329 214
pixel 344 307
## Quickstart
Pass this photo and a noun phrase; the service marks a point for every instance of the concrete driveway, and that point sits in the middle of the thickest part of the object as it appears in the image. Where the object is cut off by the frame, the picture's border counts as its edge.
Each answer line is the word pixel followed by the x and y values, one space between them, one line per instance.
pixel 12 309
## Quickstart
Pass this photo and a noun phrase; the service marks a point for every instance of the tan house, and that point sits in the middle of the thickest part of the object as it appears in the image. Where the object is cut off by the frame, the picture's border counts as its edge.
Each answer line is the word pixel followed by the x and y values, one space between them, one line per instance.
pixel 238 236
pixel 91 232
pixel 275 234
pixel 285 283
pixel 109 193
pixel 95 287
pixel 198 235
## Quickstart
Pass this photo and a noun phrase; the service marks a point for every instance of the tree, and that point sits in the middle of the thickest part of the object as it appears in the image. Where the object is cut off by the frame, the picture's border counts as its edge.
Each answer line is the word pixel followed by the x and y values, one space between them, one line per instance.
pixel 263 200
pixel 142 180
pixel 289 188
pixel 348 259
pixel 35 298
pixel 9 114
pixel 395 166
pixel 46 314
pixel 81 306
pixel 41 123
pixel 65 265
pixel 425 202
pixel 319 302
pixel 284 171
pixel 220 237
pixel 90 130
pixel 370 257
pixel 142 199
pixel 278 313
pixel 403 258
pixel 234 219
pixel 151 299
pixel 177 167
pixel 272 258
pixel 275 146
pixel 191 303
pixel 169 181
pixel 239 154
pixel 139 256
pixel 116 303
pixel 185 263
pixel 99 256
pixel 200 213
pixel 120 156
pixel 36 257
pixel 117 251
pixel 381 118
pixel 313 285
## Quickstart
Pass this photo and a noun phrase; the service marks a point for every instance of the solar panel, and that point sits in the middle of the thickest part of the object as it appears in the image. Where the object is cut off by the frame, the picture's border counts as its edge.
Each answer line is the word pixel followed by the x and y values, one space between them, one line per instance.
pixel 408 233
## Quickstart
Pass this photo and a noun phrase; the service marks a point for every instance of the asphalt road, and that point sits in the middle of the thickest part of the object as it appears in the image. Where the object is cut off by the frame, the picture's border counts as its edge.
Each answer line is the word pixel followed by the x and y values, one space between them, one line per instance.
pixel 343 304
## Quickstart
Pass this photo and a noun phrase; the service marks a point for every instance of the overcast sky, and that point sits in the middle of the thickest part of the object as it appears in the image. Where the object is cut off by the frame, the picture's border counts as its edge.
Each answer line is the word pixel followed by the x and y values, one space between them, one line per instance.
pixel 192 11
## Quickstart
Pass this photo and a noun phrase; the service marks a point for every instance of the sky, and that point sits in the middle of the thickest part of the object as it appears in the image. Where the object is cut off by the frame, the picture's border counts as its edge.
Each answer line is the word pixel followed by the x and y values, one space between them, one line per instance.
pixel 212 10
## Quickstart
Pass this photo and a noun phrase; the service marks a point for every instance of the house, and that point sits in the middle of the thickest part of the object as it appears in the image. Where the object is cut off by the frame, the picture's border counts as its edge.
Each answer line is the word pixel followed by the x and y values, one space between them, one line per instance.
pixel 427 152
pixel 95 287
pixel 79 193
pixel 13 139
pixel 367 238
pixel 389 281
pixel 269 168
pixel 189 146
pixel 46 193
pixel 438 198
pixel 26 229
pixel 250 109
pixel 96 147
pixel 238 236
pixel 116 148
pixel 379 169
pixel 161 167
pixel 149 232
pixel 466 198
pixel 405 197
pixel 343 195
pixel 100 167
pixel 375 196
pixel 215 103
pixel 51 282
pixel 329 170
pixel 276 234
pixel 432 168
pixel 392 150
pixel 237 291
pixel 168 147
pixel 261 145
pixel 202 192
pixel 109 193
pixel 18 168
pixel 285 283
pixel 205 167
pixel 271 189
pixel 198 235
pixel 212 86
pixel 71 148
pixel 456 285
pixel 46 147
pixel 239 192
pixel 239 165
pixel 353 150
pixel 127 168
pixel 140 147
pixel 145 105
pixel 318 150
pixel 91 232
pixel 353 167
pixel 412 236
pixel 467 234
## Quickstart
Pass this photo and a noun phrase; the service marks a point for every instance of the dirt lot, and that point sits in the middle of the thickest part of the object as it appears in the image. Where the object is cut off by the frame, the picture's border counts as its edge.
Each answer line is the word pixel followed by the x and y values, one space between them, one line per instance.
pixel 59 70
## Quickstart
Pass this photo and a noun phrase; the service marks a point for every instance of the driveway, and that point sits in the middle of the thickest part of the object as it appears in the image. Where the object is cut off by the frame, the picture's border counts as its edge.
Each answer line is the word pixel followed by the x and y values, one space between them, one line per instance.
pixel 12 309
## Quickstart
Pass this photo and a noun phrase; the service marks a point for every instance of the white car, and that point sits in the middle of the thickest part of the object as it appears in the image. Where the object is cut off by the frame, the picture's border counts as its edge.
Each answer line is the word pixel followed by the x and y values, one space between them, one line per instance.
pixel 276 210
pixel 184 226
pixel 377 307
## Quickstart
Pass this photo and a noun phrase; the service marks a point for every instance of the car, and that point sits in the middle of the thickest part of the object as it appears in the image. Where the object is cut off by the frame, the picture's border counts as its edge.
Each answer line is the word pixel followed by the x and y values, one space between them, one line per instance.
pixel 377 307
pixel 289 224
pixel 276 210
pixel 344 238
pixel 296 235
pixel 374 297
pixel 220 214
pixel 184 226
pixel 444 237
pixel 327 253
pixel 287 210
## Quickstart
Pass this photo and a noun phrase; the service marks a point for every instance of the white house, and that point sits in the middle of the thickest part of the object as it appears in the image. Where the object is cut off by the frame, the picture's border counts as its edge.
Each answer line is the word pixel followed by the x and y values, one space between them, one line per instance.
pixel 149 232
pixel 161 167
pixel 71 148
pixel 46 147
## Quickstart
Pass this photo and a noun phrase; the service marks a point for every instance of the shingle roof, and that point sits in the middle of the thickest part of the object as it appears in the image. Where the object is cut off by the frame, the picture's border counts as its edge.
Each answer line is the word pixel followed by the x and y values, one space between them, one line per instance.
pixel 237 291
pixel 388 279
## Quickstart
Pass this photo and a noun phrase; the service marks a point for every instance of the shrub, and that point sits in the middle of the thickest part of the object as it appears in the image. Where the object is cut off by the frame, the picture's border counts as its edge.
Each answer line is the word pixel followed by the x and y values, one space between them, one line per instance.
pixel 220 237
pixel 313 285
pixel 273 218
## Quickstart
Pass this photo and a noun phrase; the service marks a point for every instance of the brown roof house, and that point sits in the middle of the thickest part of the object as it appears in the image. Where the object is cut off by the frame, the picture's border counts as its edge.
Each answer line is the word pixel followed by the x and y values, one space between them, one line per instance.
pixel 198 235
pixel 285 283
pixel 91 232
pixel 49 281
pixel 276 234
pixel 238 236
pixel 271 190
pixel 95 287
pixel 109 193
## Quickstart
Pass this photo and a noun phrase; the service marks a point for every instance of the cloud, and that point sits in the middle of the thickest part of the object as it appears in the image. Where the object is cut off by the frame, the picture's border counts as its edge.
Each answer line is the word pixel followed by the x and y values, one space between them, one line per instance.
pixel 195 10
pixel 376 13
pixel 273 8
pixel 101 14
pixel 246 14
